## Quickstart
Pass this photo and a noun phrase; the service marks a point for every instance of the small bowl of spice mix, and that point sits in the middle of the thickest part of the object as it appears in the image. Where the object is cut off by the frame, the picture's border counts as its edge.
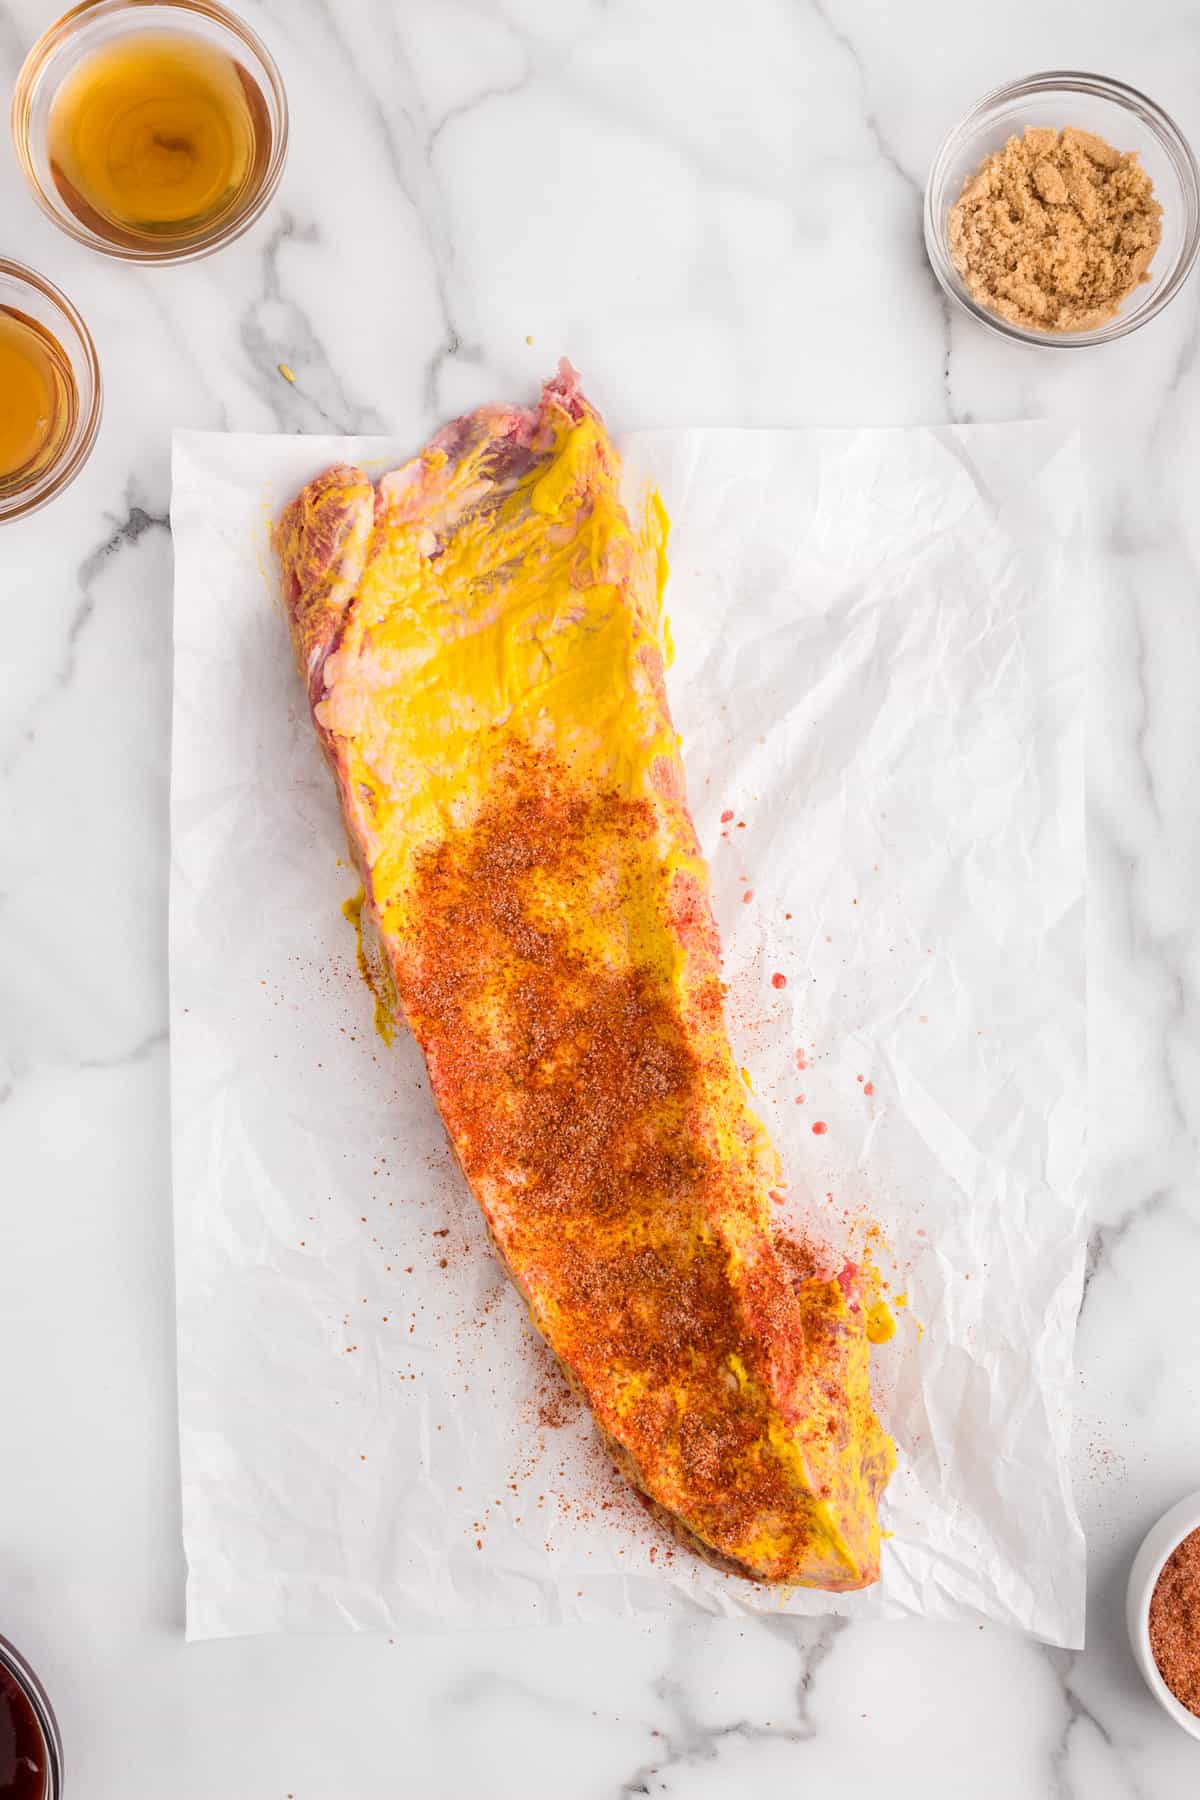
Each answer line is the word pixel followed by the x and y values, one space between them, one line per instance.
pixel 1063 210
pixel 1163 1612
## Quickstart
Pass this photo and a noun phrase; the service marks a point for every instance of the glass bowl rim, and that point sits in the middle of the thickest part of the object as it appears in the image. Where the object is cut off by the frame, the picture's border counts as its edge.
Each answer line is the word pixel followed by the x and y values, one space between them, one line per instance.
pixel 60 33
pixel 60 474
pixel 1129 99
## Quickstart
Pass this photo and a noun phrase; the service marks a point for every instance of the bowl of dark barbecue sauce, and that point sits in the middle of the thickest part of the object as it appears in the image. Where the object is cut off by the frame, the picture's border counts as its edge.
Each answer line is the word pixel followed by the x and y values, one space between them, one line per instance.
pixel 30 1746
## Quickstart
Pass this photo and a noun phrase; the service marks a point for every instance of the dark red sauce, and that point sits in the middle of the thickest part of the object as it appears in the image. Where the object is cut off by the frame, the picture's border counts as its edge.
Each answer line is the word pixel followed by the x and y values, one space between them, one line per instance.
pixel 22 1746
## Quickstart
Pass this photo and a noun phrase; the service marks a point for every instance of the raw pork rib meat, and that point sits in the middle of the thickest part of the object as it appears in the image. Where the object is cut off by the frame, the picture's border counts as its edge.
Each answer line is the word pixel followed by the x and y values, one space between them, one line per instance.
pixel 480 636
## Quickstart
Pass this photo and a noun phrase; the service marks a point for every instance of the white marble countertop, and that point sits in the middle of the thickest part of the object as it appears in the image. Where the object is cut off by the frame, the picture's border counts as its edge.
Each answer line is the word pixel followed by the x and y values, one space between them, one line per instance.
pixel 715 211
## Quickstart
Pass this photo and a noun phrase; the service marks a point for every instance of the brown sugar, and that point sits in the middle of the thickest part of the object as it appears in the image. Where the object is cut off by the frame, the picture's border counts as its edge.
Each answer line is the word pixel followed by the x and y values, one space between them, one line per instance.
pixel 1175 1622
pixel 1056 230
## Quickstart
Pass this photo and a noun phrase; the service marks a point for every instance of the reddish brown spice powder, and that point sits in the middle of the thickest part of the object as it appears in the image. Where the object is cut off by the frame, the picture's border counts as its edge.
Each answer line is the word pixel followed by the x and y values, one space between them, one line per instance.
pixel 518 1023
pixel 1175 1622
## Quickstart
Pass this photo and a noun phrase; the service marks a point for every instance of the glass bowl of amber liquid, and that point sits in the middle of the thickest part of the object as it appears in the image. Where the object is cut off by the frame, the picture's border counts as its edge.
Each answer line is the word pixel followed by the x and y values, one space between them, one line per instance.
pixel 49 391
pixel 151 130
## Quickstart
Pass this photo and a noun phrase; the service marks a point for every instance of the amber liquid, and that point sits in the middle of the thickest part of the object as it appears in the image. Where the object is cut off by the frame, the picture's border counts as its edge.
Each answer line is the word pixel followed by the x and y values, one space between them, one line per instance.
pixel 156 137
pixel 38 399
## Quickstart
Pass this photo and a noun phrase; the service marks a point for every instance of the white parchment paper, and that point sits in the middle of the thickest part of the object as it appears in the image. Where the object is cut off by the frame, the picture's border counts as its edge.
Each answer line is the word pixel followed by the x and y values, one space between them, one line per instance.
pixel 878 682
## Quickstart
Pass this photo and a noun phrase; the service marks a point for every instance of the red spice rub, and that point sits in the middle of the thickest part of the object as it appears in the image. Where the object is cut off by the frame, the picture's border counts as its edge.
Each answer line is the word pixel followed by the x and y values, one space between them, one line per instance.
pixel 1175 1622
pixel 585 1117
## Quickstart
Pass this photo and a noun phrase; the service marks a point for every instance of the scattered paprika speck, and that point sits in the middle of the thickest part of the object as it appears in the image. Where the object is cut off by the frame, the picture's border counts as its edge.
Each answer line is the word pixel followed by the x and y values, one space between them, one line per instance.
pixel 819 1128
pixel 726 816
pixel 869 1088
pixel 778 980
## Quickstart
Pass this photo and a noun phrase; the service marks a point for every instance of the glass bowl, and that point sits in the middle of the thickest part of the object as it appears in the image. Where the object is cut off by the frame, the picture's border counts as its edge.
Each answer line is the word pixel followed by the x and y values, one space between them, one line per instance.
pixel 1125 119
pixel 95 25
pixel 23 291
pixel 18 1672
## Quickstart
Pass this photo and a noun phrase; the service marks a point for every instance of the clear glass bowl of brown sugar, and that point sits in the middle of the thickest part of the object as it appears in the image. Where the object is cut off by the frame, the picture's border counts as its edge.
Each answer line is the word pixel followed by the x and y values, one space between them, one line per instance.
pixel 1121 118
pixel 151 130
